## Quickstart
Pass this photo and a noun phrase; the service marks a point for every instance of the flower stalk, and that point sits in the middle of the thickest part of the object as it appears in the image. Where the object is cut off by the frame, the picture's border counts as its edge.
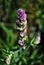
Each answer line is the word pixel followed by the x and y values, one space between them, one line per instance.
pixel 22 27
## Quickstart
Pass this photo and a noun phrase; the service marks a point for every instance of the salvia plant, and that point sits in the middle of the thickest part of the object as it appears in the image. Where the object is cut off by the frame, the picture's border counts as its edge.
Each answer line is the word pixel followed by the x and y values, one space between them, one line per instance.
pixel 22 29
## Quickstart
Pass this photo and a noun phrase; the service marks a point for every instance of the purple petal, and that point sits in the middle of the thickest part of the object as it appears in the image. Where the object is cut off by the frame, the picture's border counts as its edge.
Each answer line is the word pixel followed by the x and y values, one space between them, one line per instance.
pixel 21 14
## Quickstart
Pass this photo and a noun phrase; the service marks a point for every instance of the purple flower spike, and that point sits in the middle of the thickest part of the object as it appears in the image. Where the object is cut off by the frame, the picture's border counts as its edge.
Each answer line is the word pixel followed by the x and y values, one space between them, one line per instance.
pixel 21 27
pixel 21 15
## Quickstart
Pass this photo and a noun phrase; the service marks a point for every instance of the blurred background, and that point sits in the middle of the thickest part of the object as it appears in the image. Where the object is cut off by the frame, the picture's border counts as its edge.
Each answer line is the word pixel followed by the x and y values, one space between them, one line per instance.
pixel 10 52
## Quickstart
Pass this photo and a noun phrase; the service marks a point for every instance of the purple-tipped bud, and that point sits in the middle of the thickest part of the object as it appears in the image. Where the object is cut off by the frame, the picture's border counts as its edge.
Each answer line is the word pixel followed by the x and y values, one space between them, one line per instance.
pixel 21 15
pixel 18 23
pixel 21 42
